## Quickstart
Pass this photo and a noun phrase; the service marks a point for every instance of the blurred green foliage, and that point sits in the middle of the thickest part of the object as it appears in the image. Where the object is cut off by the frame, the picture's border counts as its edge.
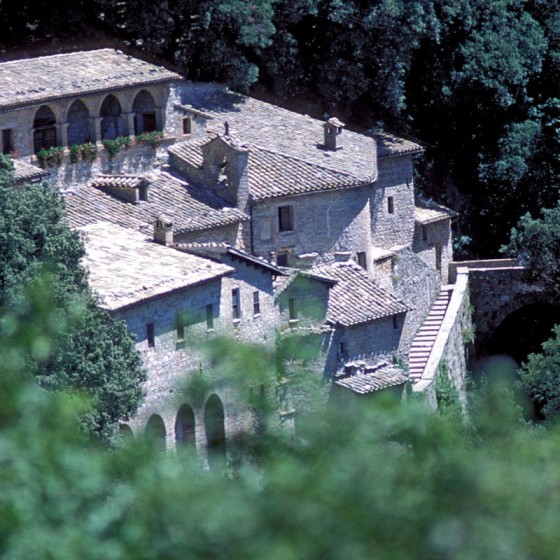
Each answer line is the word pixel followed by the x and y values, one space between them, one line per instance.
pixel 381 480
pixel 94 354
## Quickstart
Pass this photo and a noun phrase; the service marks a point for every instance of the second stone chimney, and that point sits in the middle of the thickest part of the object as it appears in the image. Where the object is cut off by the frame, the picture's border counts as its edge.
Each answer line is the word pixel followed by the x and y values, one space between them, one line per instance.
pixel 333 129
pixel 163 231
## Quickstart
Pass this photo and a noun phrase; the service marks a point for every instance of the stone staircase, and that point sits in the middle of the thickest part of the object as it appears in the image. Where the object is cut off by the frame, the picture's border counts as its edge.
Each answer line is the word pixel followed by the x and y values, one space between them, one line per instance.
pixel 425 337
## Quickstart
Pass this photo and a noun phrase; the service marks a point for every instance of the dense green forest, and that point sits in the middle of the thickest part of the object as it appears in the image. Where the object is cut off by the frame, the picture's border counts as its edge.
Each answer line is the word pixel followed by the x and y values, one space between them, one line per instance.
pixel 475 81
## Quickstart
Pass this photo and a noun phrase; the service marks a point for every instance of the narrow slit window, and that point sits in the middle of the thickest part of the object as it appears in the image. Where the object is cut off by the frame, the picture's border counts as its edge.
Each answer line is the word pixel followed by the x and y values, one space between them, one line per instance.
pixel 361 257
pixel 209 317
pixel 7 141
pixel 390 205
pixel 235 304
pixel 395 322
pixel 187 125
pixel 292 311
pixel 180 324
pixel 151 335
pixel 256 303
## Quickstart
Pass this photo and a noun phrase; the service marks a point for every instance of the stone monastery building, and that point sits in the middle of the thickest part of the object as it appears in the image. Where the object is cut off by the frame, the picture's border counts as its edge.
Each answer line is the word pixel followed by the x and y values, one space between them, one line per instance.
pixel 240 218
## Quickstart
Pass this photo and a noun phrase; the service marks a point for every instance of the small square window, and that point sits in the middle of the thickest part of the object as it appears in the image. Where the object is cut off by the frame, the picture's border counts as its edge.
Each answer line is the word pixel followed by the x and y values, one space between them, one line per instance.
pixel 285 218
pixel 390 205
pixel 187 125
pixel 210 317
pixel 282 259
pixel 151 335
pixel 235 304
pixel 361 258
pixel 256 303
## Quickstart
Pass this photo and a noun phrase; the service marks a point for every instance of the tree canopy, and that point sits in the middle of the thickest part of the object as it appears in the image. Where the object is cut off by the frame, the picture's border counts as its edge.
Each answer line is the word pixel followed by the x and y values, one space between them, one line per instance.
pixel 95 355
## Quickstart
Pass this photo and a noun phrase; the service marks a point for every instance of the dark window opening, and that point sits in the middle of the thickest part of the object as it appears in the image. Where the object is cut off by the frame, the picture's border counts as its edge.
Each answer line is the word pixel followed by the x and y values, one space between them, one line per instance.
pixel 395 322
pixel 209 316
pixel 7 141
pixel 390 205
pixel 361 257
pixel 180 322
pixel 256 303
pixel 343 349
pixel 235 304
pixel 151 335
pixel 424 233
pixel 286 218
pixel 438 258
pixel 292 311
pixel 282 259
pixel 44 129
pixel 187 125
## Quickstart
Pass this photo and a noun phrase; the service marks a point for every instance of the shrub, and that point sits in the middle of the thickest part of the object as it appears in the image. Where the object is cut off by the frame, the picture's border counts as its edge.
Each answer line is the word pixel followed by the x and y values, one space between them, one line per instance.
pixel 116 145
pixel 50 157
pixel 153 139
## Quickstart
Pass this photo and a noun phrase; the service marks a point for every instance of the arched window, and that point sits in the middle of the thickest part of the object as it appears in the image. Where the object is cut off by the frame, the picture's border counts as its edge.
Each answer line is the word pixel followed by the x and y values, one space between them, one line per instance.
pixel 78 123
pixel 111 120
pixel 215 431
pixel 185 427
pixel 144 108
pixel 44 129
pixel 155 432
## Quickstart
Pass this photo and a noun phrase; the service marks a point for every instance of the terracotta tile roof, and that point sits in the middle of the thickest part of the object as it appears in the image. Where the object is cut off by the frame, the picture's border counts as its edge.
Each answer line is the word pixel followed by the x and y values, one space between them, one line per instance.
pixel 280 131
pixel 189 208
pixel 373 379
pixel 356 298
pixel 27 173
pixel 428 212
pixel 126 267
pixel 34 81
pixel 272 174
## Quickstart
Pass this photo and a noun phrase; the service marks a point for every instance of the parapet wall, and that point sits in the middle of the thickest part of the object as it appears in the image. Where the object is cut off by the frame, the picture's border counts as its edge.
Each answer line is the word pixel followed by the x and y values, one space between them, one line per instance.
pixel 449 346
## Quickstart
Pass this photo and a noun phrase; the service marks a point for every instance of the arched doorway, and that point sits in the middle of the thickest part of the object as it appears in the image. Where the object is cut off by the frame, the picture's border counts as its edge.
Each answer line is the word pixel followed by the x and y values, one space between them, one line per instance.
pixel 155 432
pixel 44 129
pixel 215 431
pixel 111 120
pixel 185 428
pixel 78 123
pixel 144 108
pixel 126 433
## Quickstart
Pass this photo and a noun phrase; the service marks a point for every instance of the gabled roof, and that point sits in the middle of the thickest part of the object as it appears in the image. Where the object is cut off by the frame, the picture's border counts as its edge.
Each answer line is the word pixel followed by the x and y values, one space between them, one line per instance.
pixel 189 208
pixel 35 81
pixel 279 131
pixel 126 267
pixel 373 379
pixel 356 298
pixel 428 212
pixel 273 174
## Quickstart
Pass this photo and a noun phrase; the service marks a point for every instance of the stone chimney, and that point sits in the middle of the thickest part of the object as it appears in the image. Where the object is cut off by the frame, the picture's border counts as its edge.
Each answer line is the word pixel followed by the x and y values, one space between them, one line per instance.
pixel 163 231
pixel 333 129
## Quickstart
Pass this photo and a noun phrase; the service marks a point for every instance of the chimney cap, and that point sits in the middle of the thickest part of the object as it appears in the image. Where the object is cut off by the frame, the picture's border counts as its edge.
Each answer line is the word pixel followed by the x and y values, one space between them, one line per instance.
pixel 333 121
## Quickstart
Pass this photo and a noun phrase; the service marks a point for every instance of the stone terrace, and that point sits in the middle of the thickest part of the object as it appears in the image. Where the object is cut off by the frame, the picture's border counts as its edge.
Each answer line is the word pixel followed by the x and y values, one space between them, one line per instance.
pixel 34 81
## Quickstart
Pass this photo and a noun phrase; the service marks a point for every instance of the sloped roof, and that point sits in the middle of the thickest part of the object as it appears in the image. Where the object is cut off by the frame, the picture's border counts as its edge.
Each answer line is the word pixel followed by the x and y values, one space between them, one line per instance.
pixel 273 174
pixel 387 375
pixel 126 267
pixel 189 208
pixel 428 212
pixel 356 298
pixel 389 145
pixel 27 173
pixel 34 81
pixel 279 131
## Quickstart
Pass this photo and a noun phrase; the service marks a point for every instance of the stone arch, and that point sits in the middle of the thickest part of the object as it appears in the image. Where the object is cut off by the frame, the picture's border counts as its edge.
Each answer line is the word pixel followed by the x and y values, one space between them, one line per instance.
pixel 144 109
pixel 111 118
pixel 78 123
pixel 185 427
pixel 214 424
pixel 155 432
pixel 44 129
pixel 126 432
pixel 517 303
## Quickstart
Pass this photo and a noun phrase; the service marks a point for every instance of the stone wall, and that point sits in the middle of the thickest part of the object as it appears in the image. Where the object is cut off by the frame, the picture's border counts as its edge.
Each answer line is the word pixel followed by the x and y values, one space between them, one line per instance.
pixel 324 222
pixel 449 347
pixel 431 238
pixel 394 180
